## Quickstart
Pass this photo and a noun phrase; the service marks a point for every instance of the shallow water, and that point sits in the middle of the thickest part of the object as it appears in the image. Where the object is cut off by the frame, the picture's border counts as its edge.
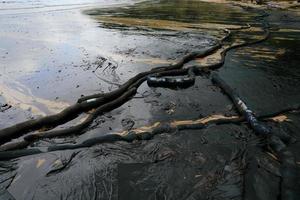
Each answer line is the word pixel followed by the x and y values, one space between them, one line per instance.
pixel 53 52
pixel 266 75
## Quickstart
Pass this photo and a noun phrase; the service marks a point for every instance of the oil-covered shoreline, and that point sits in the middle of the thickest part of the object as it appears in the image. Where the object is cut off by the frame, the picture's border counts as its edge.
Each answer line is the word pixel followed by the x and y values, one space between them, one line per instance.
pixel 218 162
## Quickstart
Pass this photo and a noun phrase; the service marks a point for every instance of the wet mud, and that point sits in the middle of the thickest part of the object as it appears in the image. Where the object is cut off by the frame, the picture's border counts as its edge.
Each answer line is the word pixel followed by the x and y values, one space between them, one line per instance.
pixel 45 67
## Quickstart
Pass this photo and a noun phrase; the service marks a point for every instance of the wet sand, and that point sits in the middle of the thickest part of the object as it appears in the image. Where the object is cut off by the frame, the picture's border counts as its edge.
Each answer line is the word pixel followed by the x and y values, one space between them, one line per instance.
pixel 50 55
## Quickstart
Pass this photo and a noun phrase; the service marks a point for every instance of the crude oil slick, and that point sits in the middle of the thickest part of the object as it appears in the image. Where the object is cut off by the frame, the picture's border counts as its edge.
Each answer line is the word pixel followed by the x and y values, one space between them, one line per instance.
pixel 52 52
